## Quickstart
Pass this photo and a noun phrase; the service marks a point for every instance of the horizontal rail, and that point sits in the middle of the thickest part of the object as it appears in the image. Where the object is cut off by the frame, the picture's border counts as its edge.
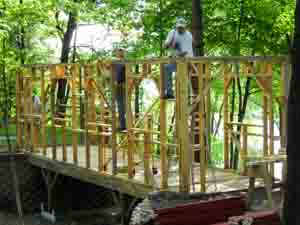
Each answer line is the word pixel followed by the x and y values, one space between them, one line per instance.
pixel 205 59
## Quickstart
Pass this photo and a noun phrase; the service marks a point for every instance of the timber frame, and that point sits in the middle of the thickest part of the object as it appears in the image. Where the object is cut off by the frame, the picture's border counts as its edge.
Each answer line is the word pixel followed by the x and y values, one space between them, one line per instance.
pixel 44 135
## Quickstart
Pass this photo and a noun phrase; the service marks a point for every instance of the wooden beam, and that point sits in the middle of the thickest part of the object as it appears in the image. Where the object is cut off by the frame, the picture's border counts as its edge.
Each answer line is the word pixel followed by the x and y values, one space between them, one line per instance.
pixel 207 95
pixel 44 113
pixel 102 143
pixel 271 117
pixel 265 123
pixel 227 81
pixel 114 122
pixel 117 183
pixel 202 160
pixel 182 125
pixel 64 141
pixel 31 111
pixel 129 121
pixel 53 115
pixel 26 111
pixel 148 138
pixel 19 110
pixel 74 74
pixel 244 149
pixel 86 112
pixel 163 134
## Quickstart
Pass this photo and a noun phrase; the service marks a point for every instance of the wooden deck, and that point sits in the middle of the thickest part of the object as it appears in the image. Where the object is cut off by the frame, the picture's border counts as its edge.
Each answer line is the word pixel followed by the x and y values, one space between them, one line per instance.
pixel 218 180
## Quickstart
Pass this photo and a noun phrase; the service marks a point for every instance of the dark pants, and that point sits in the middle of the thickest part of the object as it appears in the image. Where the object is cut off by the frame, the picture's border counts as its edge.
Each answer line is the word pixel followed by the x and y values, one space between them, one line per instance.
pixel 169 69
pixel 120 97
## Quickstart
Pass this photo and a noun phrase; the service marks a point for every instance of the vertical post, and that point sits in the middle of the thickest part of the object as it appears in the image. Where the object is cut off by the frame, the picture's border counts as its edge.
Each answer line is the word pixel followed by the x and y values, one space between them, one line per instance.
pixel 102 144
pixel 64 141
pixel 35 114
pixel 129 121
pixel 18 109
pixel 114 122
pixel 44 113
pixel 244 150
pixel 271 116
pixel 147 150
pixel 53 113
pixel 74 74
pixel 283 94
pixel 208 106
pixel 226 116
pixel 202 130
pixel 265 123
pixel 183 129
pixel 31 113
pixel 26 112
pixel 86 110
pixel 163 134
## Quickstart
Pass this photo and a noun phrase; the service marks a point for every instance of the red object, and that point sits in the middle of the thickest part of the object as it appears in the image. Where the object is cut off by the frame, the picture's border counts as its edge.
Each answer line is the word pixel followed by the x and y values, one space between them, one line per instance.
pixel 202 212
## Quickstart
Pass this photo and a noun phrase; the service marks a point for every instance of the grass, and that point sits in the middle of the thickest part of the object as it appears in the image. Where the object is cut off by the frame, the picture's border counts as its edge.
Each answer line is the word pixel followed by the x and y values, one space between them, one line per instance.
pixel 12 131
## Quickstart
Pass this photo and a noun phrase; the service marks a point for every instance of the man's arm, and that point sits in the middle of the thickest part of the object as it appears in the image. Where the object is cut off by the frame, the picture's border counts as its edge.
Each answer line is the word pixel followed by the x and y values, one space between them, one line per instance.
pixel 169 39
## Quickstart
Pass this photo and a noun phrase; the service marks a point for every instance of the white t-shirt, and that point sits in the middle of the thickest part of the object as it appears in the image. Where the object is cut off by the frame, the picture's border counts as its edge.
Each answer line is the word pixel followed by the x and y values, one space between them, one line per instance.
pixel 185 42
pixel 36 104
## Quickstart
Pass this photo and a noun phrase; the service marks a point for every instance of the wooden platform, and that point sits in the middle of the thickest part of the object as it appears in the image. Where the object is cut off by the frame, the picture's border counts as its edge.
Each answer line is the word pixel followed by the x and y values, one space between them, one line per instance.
pixel 218 180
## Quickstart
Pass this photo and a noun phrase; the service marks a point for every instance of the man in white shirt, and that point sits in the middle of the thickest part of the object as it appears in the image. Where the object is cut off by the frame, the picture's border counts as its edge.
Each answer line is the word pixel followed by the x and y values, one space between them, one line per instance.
pixel 180 41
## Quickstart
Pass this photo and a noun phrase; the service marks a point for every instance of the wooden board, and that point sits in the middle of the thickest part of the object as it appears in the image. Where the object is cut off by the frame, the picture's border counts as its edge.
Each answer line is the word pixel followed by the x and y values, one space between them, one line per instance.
pixel 217 180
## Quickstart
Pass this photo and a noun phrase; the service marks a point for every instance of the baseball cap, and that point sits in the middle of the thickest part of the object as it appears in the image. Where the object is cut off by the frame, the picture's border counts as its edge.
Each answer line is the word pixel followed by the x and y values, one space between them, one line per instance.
pixel 180 22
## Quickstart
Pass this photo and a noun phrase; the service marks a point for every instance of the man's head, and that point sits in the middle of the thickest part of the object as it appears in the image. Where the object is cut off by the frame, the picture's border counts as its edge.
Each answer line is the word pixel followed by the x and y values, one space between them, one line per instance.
pixel 180 25
pixel 120 53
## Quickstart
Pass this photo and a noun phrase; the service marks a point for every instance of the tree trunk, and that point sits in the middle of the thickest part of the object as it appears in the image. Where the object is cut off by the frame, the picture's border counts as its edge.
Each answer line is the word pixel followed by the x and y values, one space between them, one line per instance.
pixel 292 198
pixel 197 27
pixel 243 101
pixel 62 94
pixel 197 30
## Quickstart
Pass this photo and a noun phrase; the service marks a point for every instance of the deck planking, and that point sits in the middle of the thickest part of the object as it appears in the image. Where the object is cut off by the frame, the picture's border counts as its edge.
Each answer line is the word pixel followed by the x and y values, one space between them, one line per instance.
pixel 218 180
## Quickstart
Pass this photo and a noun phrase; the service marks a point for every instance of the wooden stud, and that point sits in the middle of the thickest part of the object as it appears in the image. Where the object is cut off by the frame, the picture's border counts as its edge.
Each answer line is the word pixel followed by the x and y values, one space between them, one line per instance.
pixel 64 141
pixel 284 92
pixel 86 111
pixel 31 118
pixel 53 114
pixel 208 105
pixel 26 112
pixel 74 74
pixel 265 123
pixel 43 113
pixel 163 134
pixel 129 121
pixel 244 149
pixel 271 118
pixel 114 122
pixel 202 129
pixel 147 150
pixel 18 109
pixel 182 121
pixel 102 144
pixel 226 116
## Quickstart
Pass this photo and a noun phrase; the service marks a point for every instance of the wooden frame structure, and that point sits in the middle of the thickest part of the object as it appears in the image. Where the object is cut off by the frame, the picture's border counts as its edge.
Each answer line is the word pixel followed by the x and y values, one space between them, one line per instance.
pixel 111 153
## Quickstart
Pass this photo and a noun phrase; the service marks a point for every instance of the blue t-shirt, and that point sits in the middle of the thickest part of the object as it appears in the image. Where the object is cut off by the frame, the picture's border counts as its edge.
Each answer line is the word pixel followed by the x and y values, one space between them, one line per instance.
pixel 120 73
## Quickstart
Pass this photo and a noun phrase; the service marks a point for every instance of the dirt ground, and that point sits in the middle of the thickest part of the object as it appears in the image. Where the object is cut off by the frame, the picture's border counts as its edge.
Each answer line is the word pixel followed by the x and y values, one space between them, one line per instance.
pixel 35 219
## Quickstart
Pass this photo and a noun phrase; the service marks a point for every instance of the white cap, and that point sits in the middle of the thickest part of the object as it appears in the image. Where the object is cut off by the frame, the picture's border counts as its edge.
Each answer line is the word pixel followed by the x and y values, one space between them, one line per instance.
pixel 180 22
